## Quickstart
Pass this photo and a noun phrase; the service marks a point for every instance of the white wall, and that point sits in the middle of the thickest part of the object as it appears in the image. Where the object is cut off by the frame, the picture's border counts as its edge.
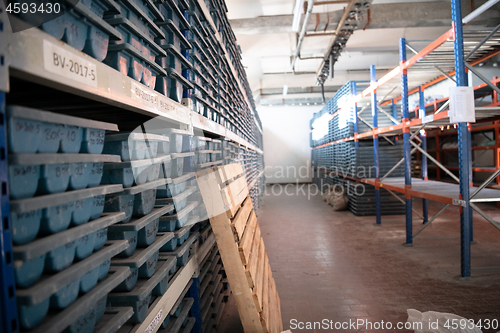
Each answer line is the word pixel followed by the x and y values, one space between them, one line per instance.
pixel 287 153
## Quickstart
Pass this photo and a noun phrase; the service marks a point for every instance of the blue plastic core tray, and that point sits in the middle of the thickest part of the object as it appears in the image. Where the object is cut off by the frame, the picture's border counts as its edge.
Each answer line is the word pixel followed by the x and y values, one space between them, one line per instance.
pixel 135 172
pixel 57 252
pixel 182 251
pixel 139 298
pixel 32 130
pixel 180 319
pixel 133 146
pixel 135 54
pixel 137 200
pixel 84 29
pixel 144 260
pixel 60 290
pixel 54 173
pixel 140 232
pixel 179 201
pixel 54 213
pixel 58 321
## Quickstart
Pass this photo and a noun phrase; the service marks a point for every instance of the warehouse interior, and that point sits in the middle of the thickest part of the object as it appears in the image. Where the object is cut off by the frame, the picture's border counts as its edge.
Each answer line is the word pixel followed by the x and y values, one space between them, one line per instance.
pixel 225 166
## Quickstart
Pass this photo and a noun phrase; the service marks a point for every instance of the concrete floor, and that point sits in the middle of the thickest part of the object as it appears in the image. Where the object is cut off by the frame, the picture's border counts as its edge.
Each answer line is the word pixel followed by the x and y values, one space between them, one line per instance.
pixel 336 266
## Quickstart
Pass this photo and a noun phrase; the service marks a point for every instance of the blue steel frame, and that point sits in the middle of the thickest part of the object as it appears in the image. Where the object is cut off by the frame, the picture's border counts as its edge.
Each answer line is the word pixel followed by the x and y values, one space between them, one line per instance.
pixel 194 292
pixel 406 142
pixel 378 212
pixel 395 116
pixel 464 144
pixel 423 166
pixel 8 308
pixel 186 73
pixel 394 111
pixel 354 93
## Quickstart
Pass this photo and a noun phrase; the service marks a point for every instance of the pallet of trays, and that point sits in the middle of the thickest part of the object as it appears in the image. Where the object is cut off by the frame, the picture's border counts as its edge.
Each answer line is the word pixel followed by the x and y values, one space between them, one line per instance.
pixel 210 289
pixel 135 53
pixel 178 320
pixel 81 26
pixel 175 44
pixel 221 294
pixel 364 204
pixel 152 262
pixel 61 252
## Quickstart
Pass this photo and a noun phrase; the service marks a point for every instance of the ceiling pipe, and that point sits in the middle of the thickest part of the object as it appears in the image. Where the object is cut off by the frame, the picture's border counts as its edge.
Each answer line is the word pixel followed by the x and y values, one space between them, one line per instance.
pixel 487 5
pixel 320 33
pixel 310 5
pixel 319 3
pixel 329 50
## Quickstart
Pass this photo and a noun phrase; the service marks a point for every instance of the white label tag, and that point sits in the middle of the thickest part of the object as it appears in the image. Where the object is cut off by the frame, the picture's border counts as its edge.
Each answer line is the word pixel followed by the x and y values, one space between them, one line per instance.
pixel 421 113
pixel 458 202
pixel 462 105
pixel 65 63
pixel 155 322
pixel 427 119
pixel 143 95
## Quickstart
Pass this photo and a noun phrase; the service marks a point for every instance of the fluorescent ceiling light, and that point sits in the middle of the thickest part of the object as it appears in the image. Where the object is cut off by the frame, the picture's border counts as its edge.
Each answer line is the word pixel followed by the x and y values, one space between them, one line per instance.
pixel 297 13
pixel 285 90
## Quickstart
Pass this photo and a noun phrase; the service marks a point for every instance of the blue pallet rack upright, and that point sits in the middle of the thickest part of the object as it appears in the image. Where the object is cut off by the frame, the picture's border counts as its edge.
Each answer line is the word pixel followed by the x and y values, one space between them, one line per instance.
pixel 406 143
pixel 464 144
pixel 355 113
pixel 423 165
pixel 186 73
pixel 9 321
pixel 378 209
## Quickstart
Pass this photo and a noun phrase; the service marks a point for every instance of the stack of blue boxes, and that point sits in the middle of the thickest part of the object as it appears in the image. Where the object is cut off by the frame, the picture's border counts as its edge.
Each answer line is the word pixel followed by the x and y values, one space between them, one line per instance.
pixel 347 162
pixel 61 250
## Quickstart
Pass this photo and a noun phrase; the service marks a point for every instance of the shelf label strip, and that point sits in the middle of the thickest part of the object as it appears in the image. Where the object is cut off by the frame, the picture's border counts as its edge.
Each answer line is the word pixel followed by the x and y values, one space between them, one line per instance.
pixel 59 61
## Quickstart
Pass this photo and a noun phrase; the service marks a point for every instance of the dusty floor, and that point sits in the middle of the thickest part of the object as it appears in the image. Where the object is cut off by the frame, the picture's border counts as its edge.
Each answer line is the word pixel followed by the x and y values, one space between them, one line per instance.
pixel 336 266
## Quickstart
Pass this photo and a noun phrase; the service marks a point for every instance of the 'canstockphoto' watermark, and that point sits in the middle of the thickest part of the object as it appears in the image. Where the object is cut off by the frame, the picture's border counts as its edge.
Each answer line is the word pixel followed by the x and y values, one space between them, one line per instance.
pixel 356 324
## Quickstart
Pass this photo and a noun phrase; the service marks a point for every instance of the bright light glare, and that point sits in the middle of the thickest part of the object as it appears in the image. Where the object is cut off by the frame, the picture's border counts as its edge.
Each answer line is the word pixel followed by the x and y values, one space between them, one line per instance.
pixel 320 126
pixel 296 15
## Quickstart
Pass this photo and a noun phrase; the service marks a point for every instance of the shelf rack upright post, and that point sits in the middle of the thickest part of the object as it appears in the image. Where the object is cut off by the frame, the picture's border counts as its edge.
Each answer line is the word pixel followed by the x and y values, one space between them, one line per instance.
pixel 464 144
pixel 406 143
pixel 378 212
pixel 355 112
pixel 423 166
pixel 8 308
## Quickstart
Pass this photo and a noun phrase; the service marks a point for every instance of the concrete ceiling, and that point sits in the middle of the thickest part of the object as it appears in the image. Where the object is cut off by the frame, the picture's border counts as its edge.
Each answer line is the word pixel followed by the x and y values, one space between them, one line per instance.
pixel 264 32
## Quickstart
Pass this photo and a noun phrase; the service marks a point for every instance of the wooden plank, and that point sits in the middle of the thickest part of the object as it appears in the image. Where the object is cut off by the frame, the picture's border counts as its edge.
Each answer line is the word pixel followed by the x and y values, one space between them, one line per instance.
pixel 236 273
pixel 280 320
pixel 228 250
pixel 241 248
pixel 264 314
pixel 230 171
pixel 231 207
pixel 234 193
pixel 272 305
pixel 259 276
pixel 211 192
pixel 238 190
pixel 245 246
pixel 241 218
pixel 277 310
pixel 251 268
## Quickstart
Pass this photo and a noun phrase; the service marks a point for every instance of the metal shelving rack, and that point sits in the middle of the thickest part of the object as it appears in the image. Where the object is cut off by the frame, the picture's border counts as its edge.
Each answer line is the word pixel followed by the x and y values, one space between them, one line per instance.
pixel 111 89
pixel 442 58
pixel 8 309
